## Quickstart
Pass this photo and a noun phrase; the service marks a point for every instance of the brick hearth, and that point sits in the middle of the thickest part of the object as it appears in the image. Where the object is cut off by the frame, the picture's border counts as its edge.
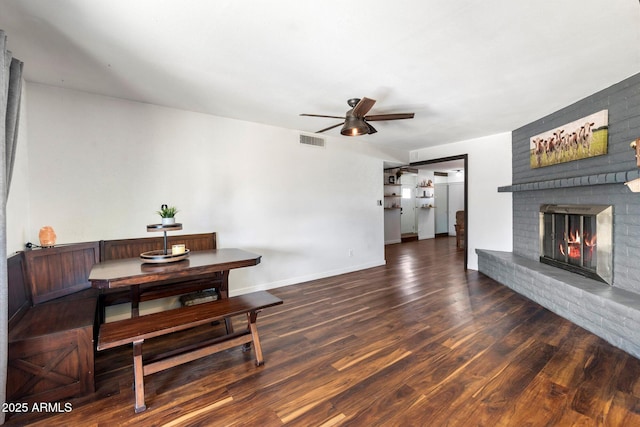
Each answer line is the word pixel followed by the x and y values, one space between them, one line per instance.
pixel 611 313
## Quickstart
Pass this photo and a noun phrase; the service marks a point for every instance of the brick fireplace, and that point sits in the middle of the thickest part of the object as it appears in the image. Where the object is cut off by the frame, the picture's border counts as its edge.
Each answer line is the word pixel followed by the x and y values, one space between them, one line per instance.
pixel 612 309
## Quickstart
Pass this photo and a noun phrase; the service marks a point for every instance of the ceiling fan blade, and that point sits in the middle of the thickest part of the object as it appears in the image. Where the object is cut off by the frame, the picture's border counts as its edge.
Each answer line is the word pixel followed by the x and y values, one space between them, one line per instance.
pixel 321 115
pixel 363 107
pixel 396 116
pixel 330 127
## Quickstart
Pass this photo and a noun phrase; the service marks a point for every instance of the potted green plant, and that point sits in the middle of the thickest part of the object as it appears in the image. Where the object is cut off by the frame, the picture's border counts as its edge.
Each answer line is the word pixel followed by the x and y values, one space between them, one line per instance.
pixel 168 214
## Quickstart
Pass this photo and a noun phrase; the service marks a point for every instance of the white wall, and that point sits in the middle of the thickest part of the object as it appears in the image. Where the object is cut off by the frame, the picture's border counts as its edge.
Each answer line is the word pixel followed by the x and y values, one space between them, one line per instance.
pixel 455 203
pixel 489 166
pixel 99 168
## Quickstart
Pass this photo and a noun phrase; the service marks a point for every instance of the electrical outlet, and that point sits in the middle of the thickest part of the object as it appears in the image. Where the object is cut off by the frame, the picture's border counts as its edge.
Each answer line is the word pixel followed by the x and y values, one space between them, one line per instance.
pixel 350 252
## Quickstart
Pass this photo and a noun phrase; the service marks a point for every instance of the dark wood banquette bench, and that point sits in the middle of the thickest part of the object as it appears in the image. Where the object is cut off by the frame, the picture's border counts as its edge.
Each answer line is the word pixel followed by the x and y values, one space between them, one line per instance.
pixel 54 314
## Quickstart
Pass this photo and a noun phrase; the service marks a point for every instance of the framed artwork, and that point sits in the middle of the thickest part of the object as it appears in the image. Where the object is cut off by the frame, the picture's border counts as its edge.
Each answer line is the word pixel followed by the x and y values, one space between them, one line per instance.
pixel 392 179
pixel 580 139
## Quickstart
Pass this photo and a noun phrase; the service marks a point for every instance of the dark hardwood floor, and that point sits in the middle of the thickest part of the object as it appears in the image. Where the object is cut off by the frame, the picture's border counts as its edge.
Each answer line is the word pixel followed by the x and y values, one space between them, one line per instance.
pixel 418 342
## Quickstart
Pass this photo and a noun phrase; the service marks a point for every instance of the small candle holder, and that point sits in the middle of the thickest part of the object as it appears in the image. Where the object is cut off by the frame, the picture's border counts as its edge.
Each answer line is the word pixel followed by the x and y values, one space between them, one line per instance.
pixel 177 249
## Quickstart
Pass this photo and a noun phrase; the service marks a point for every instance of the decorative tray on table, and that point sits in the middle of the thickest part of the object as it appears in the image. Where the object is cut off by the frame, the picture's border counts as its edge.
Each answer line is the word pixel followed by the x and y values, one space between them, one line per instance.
pixel 159 256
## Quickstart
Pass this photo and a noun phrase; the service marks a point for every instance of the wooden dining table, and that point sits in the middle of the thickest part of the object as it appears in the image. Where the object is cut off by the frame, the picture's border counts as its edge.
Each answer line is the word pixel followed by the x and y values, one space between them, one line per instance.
pixel 131 273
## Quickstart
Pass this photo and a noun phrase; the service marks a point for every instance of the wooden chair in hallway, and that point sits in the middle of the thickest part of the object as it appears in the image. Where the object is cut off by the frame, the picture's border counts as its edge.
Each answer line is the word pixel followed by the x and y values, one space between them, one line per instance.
pixel 459 225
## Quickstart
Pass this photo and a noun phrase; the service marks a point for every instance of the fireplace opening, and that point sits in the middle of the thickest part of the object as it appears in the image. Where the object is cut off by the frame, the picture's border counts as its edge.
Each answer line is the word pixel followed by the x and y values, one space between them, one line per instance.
pixel 578 238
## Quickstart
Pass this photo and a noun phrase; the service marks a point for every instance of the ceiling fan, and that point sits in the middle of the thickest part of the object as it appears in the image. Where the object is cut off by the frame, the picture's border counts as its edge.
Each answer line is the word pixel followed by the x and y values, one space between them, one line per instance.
pixel 355 121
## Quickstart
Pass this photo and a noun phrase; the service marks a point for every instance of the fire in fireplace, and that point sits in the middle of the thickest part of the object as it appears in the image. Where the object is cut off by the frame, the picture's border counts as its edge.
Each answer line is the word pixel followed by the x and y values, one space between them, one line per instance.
pixel 578 238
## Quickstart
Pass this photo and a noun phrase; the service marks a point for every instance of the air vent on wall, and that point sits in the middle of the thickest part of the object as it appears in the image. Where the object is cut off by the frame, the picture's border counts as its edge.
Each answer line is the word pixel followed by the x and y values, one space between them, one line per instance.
pixel 311 140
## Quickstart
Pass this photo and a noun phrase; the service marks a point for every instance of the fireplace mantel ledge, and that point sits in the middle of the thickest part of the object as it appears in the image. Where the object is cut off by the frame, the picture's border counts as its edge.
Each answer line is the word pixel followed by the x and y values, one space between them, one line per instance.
pixel 579 181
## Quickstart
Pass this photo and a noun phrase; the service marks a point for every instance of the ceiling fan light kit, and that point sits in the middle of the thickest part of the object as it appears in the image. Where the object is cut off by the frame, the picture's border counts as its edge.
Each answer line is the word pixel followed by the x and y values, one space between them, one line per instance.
pixel 354 126
pixel 355 121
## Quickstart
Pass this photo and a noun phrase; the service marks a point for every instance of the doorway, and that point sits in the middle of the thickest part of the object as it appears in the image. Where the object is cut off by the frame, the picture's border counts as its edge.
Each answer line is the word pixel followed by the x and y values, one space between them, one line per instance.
pixel 441 194
pixel 408 216
pixel 450 194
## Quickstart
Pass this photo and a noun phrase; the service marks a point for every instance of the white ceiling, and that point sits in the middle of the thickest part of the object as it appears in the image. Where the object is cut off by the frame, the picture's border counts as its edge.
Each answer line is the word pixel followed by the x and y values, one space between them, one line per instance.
pixel 467 68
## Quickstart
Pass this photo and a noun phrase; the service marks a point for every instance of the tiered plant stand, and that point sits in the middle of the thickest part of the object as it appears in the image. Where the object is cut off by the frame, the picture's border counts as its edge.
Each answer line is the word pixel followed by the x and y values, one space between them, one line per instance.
pixel 163 255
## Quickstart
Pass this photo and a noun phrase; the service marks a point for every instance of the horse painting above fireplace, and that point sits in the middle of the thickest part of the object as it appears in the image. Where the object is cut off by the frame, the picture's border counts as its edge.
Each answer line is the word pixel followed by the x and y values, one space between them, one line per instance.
pixel 586 137
pixel 578 238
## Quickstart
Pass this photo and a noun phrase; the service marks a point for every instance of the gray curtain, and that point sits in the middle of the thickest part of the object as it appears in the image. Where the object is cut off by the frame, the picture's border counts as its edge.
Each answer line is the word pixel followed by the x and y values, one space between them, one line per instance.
pixel 11 87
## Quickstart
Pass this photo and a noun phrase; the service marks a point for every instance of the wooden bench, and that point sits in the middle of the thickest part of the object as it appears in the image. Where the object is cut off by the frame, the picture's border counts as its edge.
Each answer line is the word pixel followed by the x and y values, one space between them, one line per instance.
pixel 52 311
pixel 137 329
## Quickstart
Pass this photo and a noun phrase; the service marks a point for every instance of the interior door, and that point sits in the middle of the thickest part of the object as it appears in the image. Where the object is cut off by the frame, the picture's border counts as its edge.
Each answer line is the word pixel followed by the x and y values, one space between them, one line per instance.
pixel 441 202
pixel 408 203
